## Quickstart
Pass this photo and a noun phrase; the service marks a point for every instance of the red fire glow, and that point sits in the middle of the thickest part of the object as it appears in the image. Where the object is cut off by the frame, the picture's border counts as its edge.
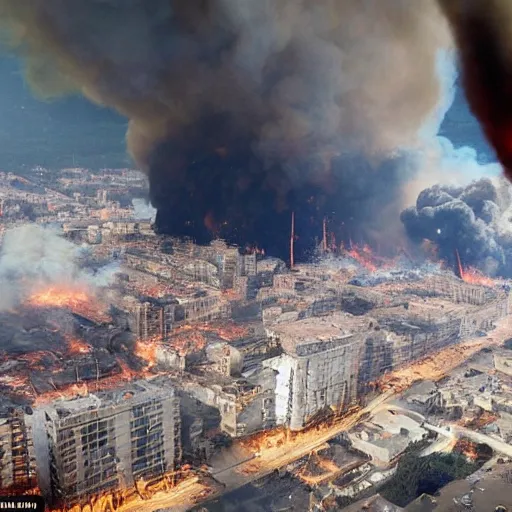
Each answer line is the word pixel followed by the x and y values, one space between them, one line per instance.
pixel 59 297
pixel 147 351
pixel 76 347
pixel 255 250
pixel 362 255
pixel 77 299
pixel 473 276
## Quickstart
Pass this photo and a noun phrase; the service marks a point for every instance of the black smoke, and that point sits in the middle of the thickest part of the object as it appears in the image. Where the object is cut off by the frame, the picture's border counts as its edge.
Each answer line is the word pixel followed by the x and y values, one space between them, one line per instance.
pixel 473 221
pixel 259 213
pixel 243 111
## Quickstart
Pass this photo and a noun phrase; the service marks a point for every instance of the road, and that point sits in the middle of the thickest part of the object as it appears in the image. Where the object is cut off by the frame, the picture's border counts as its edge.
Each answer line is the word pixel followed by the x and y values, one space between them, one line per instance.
pixel 451 432
pixel 456 431
pixel 304 443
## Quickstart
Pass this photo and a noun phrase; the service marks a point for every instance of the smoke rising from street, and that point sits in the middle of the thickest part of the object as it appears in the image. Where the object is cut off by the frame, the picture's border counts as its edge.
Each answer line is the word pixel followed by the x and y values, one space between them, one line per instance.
pixel 473 221
pixel 34 257
pixel 242 112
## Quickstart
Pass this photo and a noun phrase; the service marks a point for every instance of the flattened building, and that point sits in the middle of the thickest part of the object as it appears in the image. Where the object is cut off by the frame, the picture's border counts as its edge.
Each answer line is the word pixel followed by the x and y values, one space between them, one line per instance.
pixel 88 446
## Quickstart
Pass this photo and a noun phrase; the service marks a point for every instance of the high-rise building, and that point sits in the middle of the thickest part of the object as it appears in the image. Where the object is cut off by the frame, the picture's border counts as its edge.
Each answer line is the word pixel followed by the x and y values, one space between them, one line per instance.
pixel 107 441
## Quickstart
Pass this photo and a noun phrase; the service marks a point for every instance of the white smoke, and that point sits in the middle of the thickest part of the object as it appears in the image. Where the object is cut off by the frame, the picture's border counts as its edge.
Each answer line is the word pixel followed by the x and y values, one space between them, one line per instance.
pixel 142 210
pixel 32 256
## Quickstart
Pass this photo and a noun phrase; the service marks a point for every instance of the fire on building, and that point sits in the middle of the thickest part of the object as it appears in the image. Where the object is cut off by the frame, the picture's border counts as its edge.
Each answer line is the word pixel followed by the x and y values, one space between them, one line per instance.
pixel 191 346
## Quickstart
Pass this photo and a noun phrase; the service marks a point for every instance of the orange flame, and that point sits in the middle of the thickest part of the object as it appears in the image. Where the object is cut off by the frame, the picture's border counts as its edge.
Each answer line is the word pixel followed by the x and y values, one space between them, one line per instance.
pixel 466 448
pixel 255 250
pixel 78 347
pixel 227 331
pixel 104 383
pixel 473 276
pixel 59 297
pixel 147 351
pixel 362 255
pixel 78 300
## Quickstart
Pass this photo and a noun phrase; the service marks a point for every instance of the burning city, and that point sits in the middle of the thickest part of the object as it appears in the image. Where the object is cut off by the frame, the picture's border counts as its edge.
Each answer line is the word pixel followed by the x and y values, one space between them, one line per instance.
pixel 300 300
pixel 143 371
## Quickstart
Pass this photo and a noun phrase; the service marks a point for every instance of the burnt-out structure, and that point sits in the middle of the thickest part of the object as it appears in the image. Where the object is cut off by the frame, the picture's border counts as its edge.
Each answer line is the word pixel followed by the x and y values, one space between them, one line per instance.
pixel 17 462
pixel 148 318
pixel 244 397
pixel 108 441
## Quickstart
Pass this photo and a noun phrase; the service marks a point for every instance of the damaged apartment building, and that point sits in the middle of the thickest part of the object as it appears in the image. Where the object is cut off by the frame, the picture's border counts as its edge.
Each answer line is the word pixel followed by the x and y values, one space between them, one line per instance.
pixel 106 441
pixel 319 367
pixel 17 461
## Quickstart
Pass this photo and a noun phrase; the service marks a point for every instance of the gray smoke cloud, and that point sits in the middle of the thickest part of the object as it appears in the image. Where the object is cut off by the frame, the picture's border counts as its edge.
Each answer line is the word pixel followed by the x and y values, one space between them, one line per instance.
pixel 474 220
pixel 293 73
pixel 33 257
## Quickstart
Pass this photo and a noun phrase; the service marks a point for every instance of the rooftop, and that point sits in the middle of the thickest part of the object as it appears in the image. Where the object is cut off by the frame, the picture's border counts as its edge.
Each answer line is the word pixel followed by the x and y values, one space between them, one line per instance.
pixel 333 327
pixel 133 391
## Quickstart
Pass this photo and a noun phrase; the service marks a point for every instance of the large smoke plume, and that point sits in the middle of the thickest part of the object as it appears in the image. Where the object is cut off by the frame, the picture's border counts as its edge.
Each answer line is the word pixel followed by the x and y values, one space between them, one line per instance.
pixel 243 111
pixel 483 31
pixel 473 222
